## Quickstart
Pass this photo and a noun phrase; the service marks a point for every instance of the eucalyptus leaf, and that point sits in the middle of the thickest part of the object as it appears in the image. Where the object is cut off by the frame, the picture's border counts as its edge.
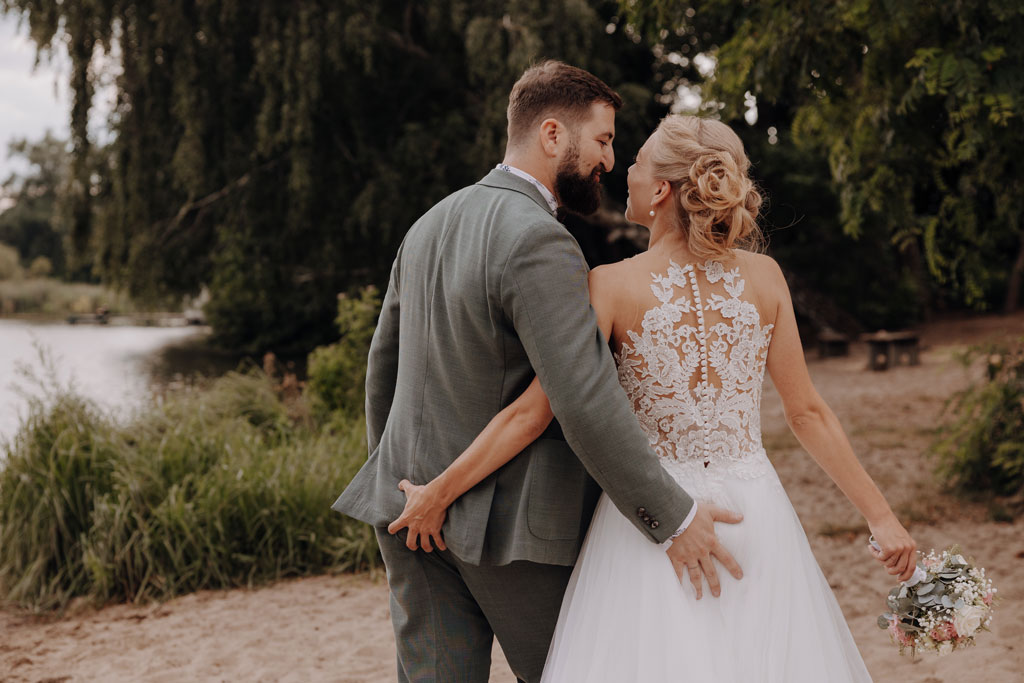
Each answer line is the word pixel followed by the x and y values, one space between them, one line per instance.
pixel 946 602
pixel 925 589
pixel 883 622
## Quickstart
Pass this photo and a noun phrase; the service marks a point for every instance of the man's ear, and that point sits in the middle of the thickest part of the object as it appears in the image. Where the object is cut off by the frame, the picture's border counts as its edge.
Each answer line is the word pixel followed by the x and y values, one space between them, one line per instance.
pixel 552 132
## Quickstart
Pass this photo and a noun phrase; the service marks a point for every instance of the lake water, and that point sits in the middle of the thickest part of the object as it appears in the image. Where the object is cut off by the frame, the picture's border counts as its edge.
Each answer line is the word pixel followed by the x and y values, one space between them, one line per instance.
pixel 117 366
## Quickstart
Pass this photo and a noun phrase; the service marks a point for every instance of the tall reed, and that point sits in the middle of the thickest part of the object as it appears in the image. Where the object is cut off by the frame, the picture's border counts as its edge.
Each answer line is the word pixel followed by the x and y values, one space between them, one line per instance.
pixel 212 488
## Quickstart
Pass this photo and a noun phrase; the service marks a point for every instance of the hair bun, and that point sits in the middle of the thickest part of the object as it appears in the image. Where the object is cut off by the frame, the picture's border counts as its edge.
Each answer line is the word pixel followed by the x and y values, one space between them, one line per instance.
pixel 715 183
pixel 717 201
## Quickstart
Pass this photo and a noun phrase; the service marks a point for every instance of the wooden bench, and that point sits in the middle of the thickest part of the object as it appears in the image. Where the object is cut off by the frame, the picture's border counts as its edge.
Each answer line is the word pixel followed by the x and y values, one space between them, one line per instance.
pixel 101 317
pixel 887 349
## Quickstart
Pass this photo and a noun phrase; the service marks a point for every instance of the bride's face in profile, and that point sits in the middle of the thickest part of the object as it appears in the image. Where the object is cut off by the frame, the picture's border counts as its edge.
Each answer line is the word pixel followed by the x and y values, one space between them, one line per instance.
pixel 641 186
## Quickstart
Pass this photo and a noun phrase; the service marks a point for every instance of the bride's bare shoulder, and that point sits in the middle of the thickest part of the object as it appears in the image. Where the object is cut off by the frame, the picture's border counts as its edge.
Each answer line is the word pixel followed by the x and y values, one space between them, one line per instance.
pixel 619 284
pixel 761 267
pixel 766 282
pixel 621 273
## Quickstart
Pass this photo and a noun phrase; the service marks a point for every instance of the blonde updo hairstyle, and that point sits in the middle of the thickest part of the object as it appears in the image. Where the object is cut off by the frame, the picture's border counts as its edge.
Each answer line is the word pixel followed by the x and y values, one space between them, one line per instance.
pixel 714 201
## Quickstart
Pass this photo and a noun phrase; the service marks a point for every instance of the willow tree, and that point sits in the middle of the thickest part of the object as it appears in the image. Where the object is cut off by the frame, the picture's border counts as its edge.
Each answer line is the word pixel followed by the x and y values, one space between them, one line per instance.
pixel 277 152
pixel 915 105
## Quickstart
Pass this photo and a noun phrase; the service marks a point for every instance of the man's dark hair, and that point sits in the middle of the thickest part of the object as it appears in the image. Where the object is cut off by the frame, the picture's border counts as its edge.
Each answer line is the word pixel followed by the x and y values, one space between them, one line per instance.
pixel 554 89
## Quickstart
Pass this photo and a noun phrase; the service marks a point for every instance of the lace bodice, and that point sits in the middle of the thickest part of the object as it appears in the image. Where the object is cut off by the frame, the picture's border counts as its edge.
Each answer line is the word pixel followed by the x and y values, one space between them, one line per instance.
pixel 694 374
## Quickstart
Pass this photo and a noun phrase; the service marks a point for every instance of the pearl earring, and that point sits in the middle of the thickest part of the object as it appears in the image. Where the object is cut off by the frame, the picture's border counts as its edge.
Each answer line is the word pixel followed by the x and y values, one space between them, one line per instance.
pixel 651 212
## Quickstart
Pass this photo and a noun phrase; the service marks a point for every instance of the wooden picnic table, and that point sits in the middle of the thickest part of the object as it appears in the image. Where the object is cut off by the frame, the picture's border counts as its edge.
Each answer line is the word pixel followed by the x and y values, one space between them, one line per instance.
pixel 887 349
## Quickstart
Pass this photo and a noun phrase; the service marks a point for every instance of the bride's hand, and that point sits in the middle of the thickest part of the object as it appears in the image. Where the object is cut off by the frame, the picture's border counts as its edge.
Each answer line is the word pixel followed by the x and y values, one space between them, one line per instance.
pixel 899 552
pixel 424 514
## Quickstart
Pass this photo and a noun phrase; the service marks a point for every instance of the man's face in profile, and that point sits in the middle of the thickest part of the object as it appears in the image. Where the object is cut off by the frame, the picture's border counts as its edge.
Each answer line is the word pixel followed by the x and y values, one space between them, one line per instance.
pixel 589 154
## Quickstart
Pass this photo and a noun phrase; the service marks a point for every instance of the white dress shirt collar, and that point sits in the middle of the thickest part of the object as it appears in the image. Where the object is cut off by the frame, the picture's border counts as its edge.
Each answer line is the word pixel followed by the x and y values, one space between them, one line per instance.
pixel 544 191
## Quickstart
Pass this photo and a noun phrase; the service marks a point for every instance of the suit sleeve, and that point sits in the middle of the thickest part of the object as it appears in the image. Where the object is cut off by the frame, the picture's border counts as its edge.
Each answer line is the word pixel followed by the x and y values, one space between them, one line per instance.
pixel 544 293
pixel 382 362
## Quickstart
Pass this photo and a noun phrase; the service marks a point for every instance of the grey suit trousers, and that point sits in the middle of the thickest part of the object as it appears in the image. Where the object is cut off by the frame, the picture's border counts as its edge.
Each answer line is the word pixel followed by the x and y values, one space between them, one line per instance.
pixel 447 612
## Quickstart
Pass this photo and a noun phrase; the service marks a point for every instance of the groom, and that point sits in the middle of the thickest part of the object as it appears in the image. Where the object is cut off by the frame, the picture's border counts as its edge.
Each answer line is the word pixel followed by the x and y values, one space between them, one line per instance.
pixel 486 290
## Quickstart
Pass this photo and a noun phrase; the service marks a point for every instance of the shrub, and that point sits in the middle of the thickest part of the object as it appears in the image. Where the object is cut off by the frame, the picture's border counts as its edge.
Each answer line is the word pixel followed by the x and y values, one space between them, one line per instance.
pixel 981 449
pixel 214 488
pixel 337 373
pixel 55 297
pixel 10 264
pixel 40 267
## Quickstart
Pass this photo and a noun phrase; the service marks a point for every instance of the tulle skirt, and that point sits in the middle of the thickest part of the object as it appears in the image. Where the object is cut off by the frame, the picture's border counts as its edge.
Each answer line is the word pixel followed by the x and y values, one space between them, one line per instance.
pixel 626 618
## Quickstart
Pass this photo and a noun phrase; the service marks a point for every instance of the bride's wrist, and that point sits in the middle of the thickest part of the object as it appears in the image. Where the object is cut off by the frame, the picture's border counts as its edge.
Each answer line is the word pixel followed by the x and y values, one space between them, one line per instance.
pixel 881 517
pixel 441 489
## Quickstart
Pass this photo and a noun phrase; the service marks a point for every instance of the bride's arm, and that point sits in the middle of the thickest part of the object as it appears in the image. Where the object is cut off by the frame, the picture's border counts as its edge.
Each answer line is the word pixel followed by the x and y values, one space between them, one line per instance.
pixel 820 433
pixel 504 437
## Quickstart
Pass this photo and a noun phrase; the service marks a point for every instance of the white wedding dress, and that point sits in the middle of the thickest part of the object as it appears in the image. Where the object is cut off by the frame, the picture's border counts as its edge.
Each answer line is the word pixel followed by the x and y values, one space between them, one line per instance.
pixel 694 375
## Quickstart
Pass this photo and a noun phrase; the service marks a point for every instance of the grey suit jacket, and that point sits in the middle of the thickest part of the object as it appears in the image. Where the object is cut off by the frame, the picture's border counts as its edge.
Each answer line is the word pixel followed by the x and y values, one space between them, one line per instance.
pixel 488 288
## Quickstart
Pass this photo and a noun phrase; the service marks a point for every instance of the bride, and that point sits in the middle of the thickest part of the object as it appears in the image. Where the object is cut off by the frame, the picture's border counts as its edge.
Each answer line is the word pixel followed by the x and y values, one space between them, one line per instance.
pixel 694 322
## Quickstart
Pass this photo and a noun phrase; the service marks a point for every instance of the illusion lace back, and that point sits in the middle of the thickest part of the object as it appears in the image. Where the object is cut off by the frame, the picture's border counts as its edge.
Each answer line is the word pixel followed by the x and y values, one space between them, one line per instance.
pixel 694 375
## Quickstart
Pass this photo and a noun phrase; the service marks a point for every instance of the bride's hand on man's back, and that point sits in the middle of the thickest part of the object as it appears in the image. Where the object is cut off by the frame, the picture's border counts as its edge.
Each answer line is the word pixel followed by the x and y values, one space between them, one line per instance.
pixel 424 514
pixel 692 551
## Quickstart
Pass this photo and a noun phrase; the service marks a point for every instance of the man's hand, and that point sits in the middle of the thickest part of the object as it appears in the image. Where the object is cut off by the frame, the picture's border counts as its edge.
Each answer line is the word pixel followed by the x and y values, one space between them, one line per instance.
pixel 424 514
pixel 692 551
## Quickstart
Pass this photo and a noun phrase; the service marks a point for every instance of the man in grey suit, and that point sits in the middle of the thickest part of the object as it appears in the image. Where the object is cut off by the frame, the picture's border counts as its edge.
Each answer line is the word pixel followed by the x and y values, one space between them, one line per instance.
pixel 486 290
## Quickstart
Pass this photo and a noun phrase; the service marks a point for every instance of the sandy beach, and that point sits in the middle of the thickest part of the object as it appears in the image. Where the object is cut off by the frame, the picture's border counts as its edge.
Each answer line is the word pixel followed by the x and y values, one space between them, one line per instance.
pixel 337 628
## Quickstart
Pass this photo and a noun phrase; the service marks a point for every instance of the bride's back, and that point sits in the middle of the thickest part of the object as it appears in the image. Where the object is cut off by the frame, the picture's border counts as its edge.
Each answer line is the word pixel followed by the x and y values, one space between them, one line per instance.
pixel 691 340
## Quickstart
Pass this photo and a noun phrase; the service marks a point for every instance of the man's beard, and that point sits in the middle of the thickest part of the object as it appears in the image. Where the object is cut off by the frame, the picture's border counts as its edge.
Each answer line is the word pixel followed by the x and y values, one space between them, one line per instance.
pixel 577 192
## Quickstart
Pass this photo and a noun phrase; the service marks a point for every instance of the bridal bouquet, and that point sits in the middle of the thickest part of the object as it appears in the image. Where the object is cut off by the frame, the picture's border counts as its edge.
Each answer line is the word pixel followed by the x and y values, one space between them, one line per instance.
pixel 942 607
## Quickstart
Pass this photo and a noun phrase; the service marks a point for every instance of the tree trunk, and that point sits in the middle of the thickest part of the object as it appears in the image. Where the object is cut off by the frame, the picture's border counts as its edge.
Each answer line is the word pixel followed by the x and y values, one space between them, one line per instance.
pixel 1016 277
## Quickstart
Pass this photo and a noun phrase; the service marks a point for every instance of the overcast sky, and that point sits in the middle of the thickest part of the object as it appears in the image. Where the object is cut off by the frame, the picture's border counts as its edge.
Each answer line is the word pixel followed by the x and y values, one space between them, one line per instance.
pixel 32 101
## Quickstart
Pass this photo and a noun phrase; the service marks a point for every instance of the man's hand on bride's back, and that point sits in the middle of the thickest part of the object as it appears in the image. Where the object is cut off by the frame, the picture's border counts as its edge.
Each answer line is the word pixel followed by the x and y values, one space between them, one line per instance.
pixel 424 514
pixel 692 551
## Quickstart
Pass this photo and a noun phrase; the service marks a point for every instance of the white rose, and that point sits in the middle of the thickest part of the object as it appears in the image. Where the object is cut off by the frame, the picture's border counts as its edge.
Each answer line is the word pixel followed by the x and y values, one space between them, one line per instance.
pixel 945 648
pixel 968 619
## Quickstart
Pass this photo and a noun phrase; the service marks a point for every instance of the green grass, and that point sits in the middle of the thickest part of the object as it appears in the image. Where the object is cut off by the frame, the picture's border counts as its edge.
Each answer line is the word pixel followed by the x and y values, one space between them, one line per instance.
pixel 55 297
pixel 223 486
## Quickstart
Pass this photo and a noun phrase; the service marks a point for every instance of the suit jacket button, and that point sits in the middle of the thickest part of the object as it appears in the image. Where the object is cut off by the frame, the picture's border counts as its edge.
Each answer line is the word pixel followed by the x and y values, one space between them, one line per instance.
pixel 641 511
pixel 654 524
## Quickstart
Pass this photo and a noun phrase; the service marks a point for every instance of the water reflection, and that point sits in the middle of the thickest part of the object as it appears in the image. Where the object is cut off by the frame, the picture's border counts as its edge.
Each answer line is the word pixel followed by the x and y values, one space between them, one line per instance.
pixel 118 367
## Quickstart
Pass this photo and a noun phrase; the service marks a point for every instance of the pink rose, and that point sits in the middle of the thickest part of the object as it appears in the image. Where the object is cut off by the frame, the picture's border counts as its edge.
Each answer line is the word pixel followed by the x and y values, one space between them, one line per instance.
pixel 899 635
pixel 943 632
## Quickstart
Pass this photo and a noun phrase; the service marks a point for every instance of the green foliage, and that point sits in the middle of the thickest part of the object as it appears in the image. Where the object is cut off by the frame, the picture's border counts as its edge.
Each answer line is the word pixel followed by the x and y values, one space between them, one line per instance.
pixel 337 373
pixel 33 223
pixel 278 152
pixel 211 489
pixel 982 447
pixel 10 264
pixel 915 106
